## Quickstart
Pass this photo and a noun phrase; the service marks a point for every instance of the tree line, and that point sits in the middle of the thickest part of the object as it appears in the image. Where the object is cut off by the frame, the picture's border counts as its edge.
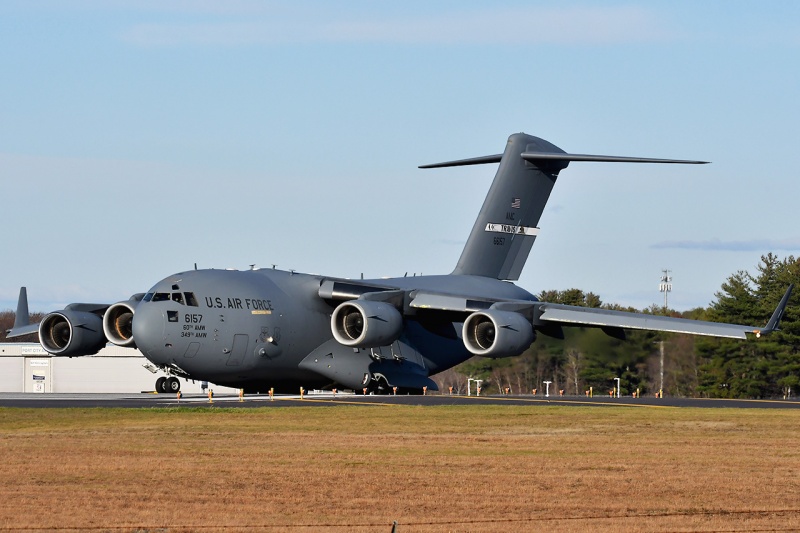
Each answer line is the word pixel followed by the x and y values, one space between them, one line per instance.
pixel 693 366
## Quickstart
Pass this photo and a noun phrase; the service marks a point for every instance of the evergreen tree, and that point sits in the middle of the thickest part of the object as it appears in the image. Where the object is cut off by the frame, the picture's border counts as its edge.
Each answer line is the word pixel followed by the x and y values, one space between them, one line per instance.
pixel 756 368
pixel 725 368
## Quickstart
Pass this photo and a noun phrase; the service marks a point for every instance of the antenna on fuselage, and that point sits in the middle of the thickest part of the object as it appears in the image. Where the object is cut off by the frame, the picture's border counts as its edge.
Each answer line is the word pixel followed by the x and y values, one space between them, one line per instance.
pixel 195 266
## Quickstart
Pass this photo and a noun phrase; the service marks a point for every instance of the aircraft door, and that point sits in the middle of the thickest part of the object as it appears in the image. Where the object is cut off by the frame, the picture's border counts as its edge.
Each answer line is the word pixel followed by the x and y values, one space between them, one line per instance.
pixel 238 350
pixel 192 349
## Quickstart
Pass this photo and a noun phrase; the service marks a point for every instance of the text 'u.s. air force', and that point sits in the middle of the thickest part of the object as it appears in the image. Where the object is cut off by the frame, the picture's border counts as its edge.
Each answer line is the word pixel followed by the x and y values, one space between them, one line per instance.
pixel 252 304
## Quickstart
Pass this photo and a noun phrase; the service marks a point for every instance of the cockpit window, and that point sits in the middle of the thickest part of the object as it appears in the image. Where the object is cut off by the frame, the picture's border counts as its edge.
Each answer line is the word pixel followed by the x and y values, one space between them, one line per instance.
pixel 182 298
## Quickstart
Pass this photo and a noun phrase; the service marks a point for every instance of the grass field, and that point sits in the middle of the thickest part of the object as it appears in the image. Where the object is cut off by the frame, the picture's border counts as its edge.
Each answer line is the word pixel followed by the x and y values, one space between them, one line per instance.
pixel 359 468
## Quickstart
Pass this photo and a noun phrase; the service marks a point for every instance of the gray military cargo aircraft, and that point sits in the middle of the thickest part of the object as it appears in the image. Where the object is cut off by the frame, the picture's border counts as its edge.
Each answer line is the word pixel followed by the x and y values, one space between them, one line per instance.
pixel 260 329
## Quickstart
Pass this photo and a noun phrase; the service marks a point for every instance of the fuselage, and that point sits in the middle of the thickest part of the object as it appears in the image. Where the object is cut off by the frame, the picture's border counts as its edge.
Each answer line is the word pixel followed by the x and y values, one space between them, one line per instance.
pixel 253 328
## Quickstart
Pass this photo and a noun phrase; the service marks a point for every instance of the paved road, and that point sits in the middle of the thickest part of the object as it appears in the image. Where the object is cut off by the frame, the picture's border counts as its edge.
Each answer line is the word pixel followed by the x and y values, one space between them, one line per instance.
pixel 145 400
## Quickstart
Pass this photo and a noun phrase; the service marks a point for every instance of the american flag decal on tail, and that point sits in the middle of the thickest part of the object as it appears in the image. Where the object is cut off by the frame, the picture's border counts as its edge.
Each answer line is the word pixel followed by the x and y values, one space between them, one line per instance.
pixel 515 203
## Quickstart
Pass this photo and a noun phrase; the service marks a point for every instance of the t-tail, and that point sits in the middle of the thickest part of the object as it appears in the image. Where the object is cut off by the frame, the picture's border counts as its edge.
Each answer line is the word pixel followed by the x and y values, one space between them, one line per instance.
pixel 508 222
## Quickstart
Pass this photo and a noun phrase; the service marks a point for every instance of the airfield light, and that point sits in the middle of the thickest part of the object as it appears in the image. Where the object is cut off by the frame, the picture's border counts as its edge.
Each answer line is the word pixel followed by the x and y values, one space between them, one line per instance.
pixel 477 385
pixel 547 387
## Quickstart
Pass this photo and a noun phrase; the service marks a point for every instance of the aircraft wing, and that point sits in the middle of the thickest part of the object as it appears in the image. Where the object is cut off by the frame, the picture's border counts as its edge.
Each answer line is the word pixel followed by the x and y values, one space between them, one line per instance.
pixel 20 331
pixel 79 328
pixel 22 325
pixel 450 302
pixel 549 316
pixel 620 319
pixel 605 318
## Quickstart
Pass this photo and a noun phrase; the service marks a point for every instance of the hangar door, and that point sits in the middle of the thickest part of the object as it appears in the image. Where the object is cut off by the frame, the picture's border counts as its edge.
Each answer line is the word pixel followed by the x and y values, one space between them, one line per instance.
pixel 11 374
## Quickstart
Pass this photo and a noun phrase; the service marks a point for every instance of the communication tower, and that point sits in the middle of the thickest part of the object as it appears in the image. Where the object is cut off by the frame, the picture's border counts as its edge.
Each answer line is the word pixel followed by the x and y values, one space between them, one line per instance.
pixel 666 285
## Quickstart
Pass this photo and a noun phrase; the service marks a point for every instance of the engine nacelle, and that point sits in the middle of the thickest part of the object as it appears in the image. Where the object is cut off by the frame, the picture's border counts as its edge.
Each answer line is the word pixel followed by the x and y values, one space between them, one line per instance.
pixel 366 324
pixel 118 323
pixel 494 333
pixel 71 333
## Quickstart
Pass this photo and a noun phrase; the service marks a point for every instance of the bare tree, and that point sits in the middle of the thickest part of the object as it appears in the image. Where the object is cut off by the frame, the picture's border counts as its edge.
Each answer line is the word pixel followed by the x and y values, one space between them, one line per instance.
pixel 573 368
pixel 498 380
pixel 450 378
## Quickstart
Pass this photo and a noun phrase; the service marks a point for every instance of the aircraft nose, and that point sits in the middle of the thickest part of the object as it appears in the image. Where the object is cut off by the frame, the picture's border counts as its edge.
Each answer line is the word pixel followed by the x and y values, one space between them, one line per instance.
pixel 148 328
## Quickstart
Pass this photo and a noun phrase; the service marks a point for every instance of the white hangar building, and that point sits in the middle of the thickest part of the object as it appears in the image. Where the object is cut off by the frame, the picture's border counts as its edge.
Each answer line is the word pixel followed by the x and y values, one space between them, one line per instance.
pixel 27 367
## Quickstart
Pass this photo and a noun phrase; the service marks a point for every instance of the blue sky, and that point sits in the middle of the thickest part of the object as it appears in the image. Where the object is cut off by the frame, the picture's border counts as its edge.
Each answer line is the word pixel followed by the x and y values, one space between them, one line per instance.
pixel 140 137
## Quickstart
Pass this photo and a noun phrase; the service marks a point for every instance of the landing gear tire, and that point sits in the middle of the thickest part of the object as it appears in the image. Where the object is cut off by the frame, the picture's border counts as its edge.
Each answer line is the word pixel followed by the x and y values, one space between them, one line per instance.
pixel 172 385
pixel 161 385
pixel 382 386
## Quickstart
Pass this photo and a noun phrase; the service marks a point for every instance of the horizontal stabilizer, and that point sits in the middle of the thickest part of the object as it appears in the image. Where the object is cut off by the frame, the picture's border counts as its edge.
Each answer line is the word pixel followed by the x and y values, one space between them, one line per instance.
pixel 464 162
pixel 542 156
pixel 532 157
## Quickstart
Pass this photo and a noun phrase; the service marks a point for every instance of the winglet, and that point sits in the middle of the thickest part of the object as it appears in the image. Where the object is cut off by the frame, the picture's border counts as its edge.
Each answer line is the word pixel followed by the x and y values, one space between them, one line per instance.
pixel 775 319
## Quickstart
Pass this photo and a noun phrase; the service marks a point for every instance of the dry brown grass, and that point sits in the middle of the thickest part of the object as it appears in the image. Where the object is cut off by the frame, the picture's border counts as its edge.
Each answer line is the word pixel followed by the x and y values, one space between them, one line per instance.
pixel 470 468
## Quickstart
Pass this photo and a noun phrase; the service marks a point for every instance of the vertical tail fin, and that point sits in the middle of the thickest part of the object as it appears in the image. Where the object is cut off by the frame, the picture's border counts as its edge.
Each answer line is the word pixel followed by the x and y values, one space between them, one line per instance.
pixel 507 224
pixel 22 320
pixel 506 227
pixel 23 317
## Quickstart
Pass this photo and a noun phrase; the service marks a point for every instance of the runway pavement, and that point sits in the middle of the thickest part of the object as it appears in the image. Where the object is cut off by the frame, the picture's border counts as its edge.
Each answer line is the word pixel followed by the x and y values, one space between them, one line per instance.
pixel 151 400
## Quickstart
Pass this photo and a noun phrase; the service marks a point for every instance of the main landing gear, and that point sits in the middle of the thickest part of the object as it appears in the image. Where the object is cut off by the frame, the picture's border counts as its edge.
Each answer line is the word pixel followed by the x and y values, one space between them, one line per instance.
pixel 170 384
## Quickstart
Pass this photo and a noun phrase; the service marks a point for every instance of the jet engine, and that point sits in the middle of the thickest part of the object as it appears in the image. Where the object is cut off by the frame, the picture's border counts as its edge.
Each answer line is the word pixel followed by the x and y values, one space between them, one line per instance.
pixel 366 324
pixel 494 333
pixel 118 323
pixel 72 333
